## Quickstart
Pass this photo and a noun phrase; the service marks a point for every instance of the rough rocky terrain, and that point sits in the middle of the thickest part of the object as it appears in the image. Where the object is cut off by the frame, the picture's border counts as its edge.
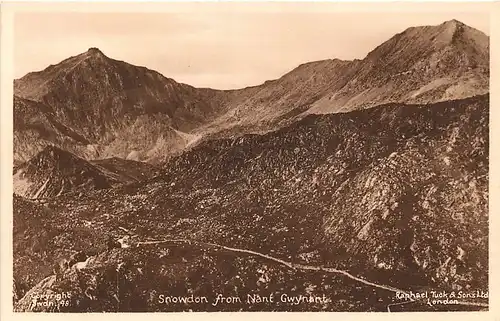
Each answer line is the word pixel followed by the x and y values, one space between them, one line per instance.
pixel 395 195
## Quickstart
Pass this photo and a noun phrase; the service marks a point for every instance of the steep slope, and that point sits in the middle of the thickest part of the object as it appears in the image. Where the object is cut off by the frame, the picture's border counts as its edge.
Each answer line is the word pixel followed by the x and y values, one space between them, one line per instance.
pixel 100 99
pixel 396 195
pixel 265 106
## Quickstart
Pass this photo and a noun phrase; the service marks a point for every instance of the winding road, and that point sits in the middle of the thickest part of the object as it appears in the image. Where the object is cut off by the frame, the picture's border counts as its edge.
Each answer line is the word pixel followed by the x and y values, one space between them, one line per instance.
pixel 304 267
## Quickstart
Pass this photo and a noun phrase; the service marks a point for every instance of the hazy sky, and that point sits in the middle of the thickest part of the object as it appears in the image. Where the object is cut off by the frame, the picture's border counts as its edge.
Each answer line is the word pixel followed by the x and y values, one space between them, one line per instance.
pixel 215 48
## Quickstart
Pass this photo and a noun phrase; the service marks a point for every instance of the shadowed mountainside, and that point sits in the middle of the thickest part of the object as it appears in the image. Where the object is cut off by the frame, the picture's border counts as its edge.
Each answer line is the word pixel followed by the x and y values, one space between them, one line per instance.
pixel 35 127
pixel 122 171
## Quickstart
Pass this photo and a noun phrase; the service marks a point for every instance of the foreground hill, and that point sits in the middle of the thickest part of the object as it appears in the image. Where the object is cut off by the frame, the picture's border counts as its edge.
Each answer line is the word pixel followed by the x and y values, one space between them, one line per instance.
pixel 98 107
pixel 54 172
pixel 396 195
pixel 377 186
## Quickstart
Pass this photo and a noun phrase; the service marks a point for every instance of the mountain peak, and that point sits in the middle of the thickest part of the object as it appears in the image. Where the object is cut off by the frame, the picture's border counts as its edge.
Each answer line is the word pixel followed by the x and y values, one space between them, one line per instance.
pixel 457 32
pixel 446 31
pixel 94 51
pixel 432 38
pixel 453 22
pixel 453 26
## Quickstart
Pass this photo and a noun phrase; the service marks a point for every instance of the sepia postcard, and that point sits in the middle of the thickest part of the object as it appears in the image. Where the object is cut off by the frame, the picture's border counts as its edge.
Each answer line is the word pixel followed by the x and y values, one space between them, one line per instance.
pixel 248 157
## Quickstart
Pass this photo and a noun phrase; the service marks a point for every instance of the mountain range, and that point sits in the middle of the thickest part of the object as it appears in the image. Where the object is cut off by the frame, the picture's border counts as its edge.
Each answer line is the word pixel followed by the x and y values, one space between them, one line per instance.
pixel 98 107
pixel 353 180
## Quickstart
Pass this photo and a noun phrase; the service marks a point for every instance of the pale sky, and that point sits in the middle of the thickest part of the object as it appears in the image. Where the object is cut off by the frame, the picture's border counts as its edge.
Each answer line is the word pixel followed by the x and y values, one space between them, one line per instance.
pixel 221 49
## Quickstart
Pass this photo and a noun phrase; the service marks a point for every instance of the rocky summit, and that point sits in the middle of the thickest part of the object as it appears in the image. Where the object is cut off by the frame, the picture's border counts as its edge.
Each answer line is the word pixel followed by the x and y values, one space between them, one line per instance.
pixel 342 186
